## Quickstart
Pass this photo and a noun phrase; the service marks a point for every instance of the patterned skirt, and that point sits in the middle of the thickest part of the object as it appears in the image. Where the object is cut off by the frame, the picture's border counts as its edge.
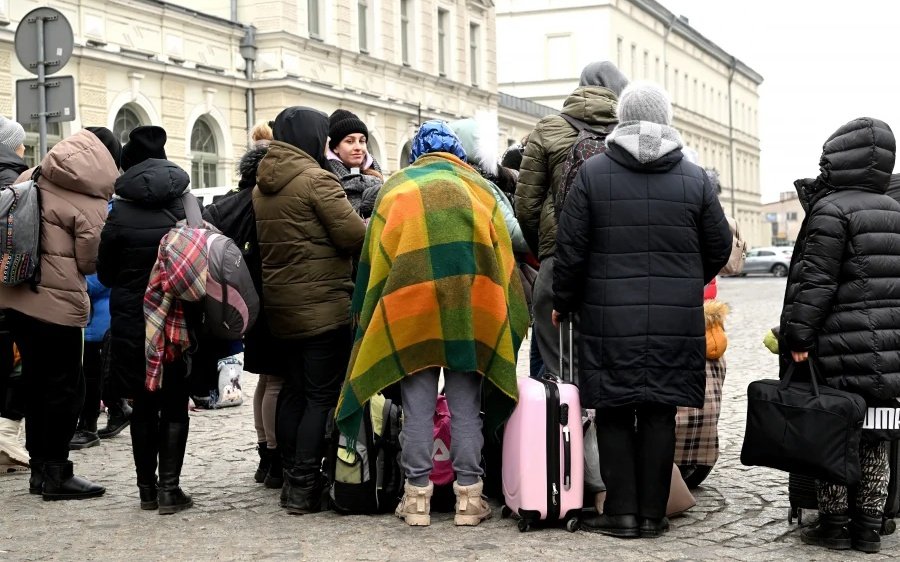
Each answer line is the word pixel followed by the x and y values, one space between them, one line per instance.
pixel 697 429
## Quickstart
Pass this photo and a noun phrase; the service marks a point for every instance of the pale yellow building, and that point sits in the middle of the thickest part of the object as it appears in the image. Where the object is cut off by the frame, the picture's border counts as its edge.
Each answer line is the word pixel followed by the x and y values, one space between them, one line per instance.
pixel 544 44
pixel 784 218
pixel 180 65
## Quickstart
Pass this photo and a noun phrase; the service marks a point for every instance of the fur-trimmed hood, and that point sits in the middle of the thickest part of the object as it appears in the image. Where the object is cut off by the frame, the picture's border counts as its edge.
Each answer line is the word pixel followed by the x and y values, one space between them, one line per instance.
pixel 249 164
pixel 715 312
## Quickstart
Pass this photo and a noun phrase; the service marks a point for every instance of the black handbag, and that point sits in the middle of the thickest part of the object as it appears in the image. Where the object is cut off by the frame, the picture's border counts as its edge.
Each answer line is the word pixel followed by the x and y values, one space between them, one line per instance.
pixel 804 428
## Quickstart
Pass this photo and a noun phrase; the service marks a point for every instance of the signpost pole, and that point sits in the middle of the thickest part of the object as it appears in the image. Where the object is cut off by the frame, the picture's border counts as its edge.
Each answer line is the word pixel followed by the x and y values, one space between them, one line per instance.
pixel 42 89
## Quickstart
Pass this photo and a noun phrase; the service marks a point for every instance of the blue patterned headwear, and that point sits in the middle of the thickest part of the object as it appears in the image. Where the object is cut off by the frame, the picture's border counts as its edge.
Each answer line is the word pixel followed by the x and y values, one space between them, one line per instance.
pixel 436 136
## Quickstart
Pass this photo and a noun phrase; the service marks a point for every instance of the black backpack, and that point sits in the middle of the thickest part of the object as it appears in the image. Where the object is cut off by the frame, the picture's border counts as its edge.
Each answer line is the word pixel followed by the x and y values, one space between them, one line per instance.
pixel 589 142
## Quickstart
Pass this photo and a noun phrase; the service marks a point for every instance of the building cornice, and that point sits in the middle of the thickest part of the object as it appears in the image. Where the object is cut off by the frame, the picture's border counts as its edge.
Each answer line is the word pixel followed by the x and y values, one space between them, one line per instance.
pixel 188 12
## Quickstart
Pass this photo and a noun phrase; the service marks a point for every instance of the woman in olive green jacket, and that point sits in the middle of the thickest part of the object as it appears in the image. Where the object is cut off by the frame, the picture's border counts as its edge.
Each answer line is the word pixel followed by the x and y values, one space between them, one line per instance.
pixel 308 234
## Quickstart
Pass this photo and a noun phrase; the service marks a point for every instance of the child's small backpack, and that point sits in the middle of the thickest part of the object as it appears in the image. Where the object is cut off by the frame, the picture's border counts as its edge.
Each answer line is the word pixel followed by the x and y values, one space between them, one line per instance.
pixel 231 304
pixel 20 233
pixel 589 142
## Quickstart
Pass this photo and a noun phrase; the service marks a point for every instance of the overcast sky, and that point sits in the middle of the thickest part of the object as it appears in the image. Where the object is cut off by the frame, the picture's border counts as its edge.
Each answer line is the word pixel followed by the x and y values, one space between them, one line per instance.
pixel 824 62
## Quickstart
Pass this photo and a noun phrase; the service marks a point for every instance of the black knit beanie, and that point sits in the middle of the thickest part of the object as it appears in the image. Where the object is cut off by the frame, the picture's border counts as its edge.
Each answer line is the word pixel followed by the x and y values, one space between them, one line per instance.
pixel 343 123
pixel 110 141
pixel 144 142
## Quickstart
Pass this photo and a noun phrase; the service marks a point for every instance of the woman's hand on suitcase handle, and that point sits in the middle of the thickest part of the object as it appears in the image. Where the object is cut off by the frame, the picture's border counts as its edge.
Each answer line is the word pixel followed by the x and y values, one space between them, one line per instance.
pixel 556 317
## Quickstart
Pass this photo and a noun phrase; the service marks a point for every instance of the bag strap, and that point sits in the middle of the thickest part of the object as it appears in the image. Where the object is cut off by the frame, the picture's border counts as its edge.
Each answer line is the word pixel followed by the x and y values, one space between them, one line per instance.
pixel 582 126
pixel 192 210
pixel 814 375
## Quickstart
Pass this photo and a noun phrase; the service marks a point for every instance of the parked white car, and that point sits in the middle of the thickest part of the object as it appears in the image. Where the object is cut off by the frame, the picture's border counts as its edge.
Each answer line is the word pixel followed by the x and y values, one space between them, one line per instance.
pixel 774 260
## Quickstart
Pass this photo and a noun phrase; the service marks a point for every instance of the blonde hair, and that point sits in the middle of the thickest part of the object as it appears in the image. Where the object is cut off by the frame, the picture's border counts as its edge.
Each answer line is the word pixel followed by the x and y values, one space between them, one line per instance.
pixel 261 132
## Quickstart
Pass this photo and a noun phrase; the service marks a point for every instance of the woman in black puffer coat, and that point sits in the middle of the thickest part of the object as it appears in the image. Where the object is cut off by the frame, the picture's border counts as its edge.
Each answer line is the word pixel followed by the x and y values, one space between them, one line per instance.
pixel 148 203
pixel 841 306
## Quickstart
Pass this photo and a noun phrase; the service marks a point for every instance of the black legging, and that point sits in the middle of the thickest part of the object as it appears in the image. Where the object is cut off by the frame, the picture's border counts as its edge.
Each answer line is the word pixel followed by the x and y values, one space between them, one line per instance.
pixel 637 449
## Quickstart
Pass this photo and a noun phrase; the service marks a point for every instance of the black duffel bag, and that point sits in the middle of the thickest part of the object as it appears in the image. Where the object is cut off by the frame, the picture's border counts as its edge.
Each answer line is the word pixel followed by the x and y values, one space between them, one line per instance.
pixel 804 428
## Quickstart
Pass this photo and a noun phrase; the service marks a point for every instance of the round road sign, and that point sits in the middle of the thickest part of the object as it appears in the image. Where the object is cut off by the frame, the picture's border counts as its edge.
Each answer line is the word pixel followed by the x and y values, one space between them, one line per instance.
pixel 58 40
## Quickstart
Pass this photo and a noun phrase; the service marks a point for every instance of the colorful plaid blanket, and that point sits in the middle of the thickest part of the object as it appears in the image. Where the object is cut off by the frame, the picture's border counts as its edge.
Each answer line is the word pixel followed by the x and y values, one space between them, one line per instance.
pixel 697 429
pixel 437 286
pixel 179 274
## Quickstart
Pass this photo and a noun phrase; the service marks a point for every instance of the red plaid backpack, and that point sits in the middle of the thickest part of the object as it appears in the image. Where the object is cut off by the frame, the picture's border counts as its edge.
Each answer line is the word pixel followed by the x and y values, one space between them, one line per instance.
pixel 589 142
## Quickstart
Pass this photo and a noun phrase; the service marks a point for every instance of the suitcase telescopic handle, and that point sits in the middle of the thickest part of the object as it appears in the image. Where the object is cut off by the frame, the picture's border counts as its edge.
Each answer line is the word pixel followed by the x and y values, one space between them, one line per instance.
pixel 562 328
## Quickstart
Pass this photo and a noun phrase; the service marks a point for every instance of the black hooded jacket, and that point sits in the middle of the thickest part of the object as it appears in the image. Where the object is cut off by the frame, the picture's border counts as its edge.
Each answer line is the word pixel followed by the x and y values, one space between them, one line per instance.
pixel 304 128
pixel 842 296
pixel 636 245
pixel 11 166
pixel 147 204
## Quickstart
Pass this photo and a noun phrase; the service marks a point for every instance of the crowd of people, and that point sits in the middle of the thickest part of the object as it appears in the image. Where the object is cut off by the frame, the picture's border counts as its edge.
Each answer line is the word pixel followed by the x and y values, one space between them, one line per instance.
pixel 395 285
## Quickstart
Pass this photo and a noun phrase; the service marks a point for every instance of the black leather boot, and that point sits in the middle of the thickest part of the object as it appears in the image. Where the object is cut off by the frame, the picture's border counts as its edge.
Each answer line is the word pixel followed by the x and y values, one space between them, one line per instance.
pixel 830 531
pixel 275 476
pixel 86 433
pixel 865 533
pixel 265 460
pixel 36 481
pixel 145 448
pixel 622 526
pixel 172 445
pixel 652 528
pixel 61 484
pixel 118 418
pixel 302 490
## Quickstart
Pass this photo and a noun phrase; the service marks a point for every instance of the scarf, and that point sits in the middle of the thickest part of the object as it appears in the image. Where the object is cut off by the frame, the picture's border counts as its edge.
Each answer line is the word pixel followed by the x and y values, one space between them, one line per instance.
pixel 437 287
pixel 644 140
pixel 179 274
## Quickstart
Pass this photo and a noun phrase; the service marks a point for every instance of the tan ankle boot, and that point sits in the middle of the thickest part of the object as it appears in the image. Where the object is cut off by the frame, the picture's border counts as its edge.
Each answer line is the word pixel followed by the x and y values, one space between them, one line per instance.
pixel 10 445
pixel 415 507
pixel 471 507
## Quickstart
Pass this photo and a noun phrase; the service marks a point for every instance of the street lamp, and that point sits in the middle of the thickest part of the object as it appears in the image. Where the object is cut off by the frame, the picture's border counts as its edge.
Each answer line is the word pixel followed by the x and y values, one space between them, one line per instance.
pixel 248 53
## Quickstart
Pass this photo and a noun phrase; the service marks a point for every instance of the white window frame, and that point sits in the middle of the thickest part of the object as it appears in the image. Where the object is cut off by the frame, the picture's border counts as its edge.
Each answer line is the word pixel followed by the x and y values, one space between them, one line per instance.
pixel 448 60
pixel 319 33
pixel 411 32
pixel 476 60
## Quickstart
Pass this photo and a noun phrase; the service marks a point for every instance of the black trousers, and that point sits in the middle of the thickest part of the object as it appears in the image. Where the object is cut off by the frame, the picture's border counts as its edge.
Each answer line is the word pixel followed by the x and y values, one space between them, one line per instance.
pixel 93 382
pixel 169 403
pixel 54 384
pixel 637 449
pixel 317 369
pixel 12 391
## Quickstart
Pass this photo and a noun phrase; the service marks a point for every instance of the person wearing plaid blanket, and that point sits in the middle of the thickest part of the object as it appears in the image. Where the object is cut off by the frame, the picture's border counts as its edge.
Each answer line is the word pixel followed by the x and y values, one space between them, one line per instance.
pixel 147 205
pixel 641 233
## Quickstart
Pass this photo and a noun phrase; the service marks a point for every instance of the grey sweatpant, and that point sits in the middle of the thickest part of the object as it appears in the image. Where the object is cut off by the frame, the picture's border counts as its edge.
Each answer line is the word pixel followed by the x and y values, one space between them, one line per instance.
pixel 544 333
pixel 419 393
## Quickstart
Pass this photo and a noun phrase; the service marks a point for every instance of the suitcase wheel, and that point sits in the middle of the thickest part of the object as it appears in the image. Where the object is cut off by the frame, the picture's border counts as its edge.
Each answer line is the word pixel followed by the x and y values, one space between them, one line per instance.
pixel 505 512
pixel 888 527
pixel 795 513
pixel 572 525
pixel 523 525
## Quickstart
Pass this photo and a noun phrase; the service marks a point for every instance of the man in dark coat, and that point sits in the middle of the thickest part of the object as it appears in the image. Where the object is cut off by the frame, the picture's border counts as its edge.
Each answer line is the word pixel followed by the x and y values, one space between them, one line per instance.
pixel 641 233
pixel 148 203
pixel 841 308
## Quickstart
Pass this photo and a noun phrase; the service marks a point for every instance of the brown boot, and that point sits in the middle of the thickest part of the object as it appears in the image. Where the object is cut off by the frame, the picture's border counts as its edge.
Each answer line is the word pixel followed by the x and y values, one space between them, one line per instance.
pixel 415 507
pixel 471 507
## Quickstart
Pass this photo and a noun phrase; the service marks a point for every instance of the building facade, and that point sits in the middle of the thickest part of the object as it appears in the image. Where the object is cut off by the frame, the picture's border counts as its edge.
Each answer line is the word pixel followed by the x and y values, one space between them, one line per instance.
pixel 181 65
pixel 784 218
pixel 544 44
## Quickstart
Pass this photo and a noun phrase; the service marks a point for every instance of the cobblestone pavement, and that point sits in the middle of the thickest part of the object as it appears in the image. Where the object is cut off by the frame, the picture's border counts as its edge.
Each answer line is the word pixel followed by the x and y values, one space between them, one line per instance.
pixel 741 513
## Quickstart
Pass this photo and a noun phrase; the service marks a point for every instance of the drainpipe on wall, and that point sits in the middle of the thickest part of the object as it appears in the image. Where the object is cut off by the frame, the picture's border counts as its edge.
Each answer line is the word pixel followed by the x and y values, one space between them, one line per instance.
pixel 731 132
pixel 234 10
pixel 665 44
pixel 248 52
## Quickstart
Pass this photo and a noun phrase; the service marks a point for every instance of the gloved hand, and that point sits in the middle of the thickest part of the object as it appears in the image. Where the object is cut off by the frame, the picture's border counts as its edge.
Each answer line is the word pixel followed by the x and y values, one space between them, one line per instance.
pixel 771 342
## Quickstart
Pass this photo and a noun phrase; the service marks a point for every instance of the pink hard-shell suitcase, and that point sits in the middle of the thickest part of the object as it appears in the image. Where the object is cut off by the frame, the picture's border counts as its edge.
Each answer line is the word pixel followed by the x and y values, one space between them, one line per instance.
pixel 543 451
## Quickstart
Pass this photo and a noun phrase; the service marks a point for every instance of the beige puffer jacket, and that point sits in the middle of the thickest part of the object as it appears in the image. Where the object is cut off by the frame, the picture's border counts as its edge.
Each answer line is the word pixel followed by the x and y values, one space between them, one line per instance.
pixel 76 183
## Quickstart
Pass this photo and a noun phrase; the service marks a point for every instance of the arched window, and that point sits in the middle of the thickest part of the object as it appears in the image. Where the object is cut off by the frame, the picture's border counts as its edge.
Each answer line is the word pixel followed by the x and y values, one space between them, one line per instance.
pixel 204 156
pixel 373 149
pixel 126 120
pixel 404 154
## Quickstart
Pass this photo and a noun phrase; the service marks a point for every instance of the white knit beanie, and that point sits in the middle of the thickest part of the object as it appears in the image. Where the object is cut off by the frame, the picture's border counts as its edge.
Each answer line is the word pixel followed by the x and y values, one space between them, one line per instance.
pixel 12 135
pixel 645 101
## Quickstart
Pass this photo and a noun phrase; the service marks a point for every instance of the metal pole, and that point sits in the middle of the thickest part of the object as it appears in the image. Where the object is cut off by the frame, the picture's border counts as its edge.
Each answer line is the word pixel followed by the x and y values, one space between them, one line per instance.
pixel 42 90
pixel 731 135
pixel 251 99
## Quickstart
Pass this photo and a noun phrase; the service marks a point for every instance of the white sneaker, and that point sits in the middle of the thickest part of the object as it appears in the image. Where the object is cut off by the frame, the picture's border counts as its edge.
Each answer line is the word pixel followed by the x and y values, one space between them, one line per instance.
pixel 10 446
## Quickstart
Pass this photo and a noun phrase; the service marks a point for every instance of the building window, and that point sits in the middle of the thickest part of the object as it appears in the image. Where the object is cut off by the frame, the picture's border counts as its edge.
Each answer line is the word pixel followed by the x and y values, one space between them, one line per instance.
pixel 443 40
pixel 659 78
pixel 676 96
pixel 474 54
pixel 314 18
pixel 633 61
pixel 646 65
pixel 126 120
pixel 204 155
pixel 362 11
pixel 619 52
pixel 404 31
pixel 32 148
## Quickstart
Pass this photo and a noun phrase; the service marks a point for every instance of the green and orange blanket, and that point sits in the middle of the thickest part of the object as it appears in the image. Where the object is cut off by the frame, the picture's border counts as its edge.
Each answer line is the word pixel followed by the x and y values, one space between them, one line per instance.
pixel 437 287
